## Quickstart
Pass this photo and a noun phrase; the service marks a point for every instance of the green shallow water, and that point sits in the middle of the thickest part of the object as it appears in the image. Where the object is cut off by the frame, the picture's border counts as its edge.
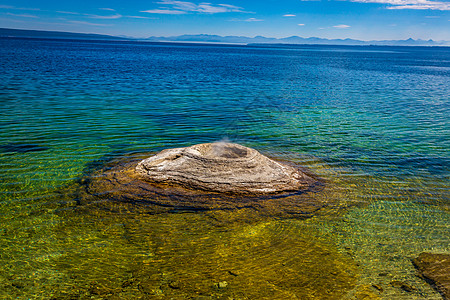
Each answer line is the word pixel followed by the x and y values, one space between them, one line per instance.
pixel 372 124
pixel 54 248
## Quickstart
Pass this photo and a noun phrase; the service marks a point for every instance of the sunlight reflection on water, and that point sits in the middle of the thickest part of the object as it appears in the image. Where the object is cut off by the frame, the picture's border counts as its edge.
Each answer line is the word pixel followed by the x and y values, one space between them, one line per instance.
pixel 375 131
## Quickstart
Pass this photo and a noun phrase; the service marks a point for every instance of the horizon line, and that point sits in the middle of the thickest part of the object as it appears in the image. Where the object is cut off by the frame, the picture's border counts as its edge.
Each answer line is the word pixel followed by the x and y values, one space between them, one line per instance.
pixel 131 38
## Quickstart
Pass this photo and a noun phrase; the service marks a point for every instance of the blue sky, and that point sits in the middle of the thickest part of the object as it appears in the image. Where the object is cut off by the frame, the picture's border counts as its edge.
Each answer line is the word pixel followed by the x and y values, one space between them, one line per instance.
pixel 358 19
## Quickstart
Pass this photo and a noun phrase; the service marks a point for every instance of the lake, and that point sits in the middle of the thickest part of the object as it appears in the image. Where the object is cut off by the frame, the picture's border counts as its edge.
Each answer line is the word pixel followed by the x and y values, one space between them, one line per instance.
pixel 372 122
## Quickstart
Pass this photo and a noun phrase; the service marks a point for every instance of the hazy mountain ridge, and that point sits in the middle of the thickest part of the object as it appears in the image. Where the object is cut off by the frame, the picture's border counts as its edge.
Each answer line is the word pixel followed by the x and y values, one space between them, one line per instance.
pixel 292 40
pixel 207 38
pixel 23 33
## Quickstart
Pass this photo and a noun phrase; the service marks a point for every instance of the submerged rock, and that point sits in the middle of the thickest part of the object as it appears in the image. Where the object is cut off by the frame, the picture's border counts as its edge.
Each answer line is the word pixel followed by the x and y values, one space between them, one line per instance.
pixel 436 269
pixel 224 168
pixel 206 177
pixel 403 285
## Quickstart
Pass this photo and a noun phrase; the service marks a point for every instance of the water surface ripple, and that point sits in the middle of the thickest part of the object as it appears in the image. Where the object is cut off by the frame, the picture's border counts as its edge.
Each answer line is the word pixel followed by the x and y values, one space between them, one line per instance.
pixel 372 122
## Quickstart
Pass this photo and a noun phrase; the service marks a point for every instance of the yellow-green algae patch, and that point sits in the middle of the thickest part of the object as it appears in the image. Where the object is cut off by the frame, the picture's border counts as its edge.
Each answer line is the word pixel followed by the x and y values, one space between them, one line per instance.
pixel 105 248
pixel 127 249
pixel 187 255
pixel 385 235
pixel 71 247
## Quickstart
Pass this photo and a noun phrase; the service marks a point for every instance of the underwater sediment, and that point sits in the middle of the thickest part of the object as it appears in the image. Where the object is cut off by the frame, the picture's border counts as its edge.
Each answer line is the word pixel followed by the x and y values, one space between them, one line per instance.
pixel 370 124
pixel 131 238
pixel 168 239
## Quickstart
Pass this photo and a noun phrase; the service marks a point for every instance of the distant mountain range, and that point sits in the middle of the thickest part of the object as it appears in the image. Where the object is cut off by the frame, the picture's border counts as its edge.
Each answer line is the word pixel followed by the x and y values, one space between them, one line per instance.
pixel 206 38
pixel 7 32
pixel 292 40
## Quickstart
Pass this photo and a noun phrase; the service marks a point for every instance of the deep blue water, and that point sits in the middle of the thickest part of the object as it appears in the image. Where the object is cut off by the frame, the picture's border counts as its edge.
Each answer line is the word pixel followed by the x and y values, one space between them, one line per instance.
pixel 365 112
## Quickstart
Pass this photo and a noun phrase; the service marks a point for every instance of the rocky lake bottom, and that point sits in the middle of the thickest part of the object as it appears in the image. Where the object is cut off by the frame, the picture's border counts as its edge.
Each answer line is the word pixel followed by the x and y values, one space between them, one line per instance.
pixel 96 245
pixel 369 125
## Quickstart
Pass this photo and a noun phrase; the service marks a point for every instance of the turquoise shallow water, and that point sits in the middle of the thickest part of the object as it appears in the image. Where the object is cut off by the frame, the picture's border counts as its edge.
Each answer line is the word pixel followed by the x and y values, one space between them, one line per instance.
pixel 372 121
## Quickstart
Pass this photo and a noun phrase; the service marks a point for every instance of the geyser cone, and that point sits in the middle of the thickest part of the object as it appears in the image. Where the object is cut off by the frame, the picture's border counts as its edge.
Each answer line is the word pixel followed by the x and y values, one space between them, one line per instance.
pixel 223 168
pixel 207 177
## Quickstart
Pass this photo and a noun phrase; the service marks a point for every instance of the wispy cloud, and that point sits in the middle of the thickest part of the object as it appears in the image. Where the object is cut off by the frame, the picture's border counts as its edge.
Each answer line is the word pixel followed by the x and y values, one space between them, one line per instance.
pixel 106 8
pixel 246 20
pixel 442 6
pixel 410 4
pixel 68 12
pixel 232 7
pixel 342 26
pixel 164 11
pixel 220 8
pixel 289 15
pixel 110 17
pixel 12 20
pixel 18 8
pixel 88 23
pixel 139 17
pixel 301 24
pixel 174 7
pixel 253 20
pixel 22 15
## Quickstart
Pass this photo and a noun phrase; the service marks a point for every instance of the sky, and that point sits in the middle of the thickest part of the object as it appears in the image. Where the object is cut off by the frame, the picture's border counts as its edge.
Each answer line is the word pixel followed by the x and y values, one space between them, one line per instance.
pixel 356 19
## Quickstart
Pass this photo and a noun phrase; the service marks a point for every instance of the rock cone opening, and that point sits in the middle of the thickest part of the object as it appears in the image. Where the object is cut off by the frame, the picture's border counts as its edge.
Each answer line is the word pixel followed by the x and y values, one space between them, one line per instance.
pixel 223 168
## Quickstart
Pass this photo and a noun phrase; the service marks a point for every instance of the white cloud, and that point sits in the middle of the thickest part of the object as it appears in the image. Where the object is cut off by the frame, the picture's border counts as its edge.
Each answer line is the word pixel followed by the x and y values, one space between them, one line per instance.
pixel 18 8
pixel 110 17
pixel 253 20
pixel 12 20
pixel 410 4
pixel 246 20
pixel 88 23
pixel 91 16
pixel 289 15
pixel 22 15
pixel 231 6
pixel 301 24
pixel 139 17
pixel 164 11
pixel 221 8
pixel 342 26
pixel 443 6
pixel 106 8
pixel 181 7
pixel 68 12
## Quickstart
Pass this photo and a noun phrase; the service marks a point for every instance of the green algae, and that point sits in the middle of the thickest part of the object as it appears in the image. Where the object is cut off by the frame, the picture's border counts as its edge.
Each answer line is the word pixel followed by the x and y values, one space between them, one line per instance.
pixel 186 255
pixel 67 248
pixel 101 248
pixel 383 130
pixel 384 236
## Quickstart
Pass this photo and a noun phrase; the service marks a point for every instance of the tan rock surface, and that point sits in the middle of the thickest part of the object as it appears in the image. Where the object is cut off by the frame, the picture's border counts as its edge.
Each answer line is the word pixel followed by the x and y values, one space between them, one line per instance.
pixel 283 190
pixel 224 168
pixel 436 269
